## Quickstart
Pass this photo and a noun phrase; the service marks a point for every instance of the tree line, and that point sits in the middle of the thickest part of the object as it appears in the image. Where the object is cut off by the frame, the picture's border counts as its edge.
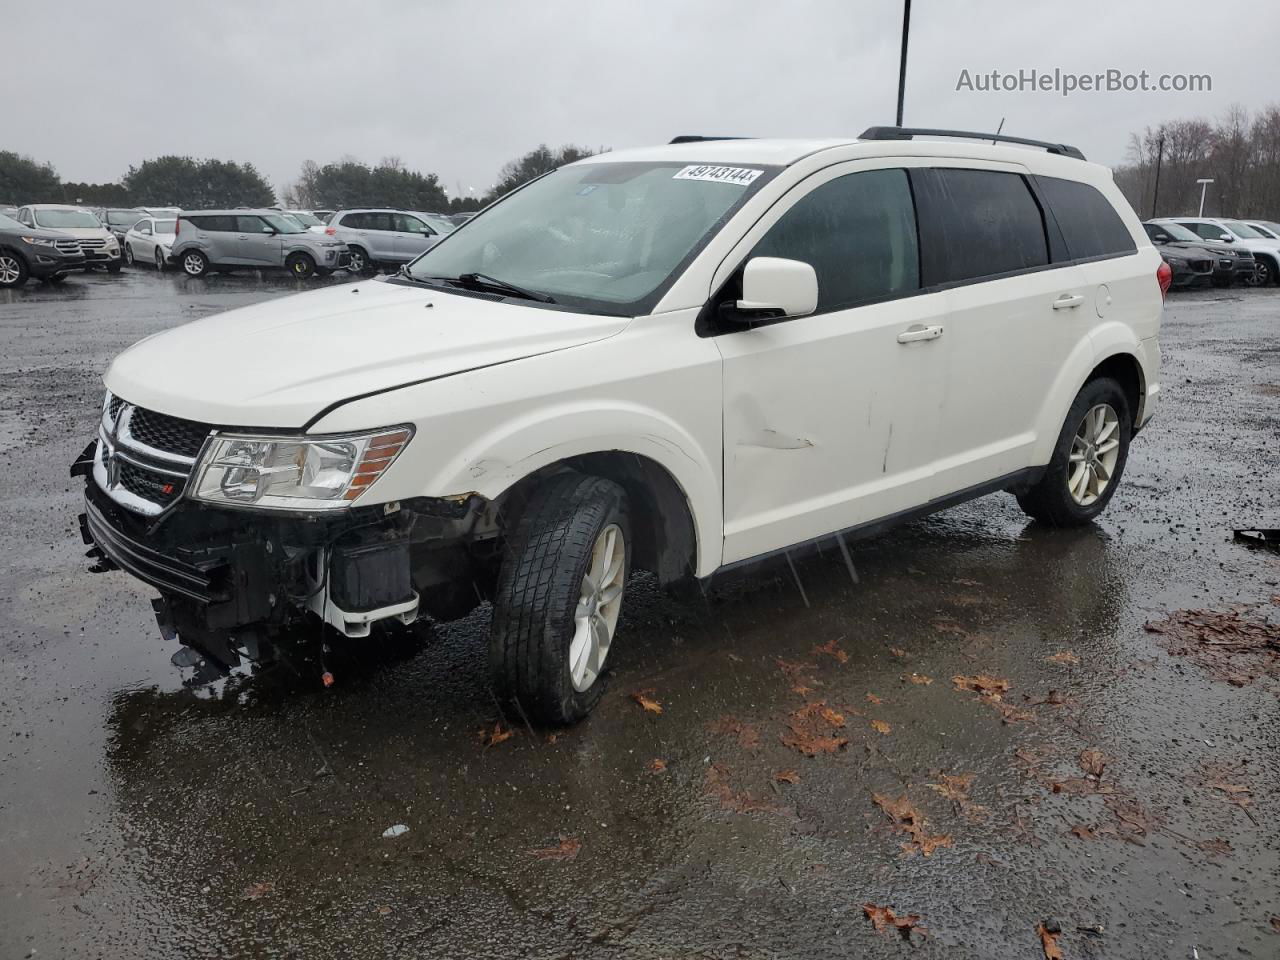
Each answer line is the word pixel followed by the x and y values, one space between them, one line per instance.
pixel 1239 152
pixel 194 184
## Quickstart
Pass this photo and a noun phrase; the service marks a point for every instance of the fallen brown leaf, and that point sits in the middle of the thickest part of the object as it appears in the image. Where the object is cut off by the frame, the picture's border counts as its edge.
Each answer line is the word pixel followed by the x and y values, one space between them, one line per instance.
pixel 943 625
pixel 1066 657
pixel 1049 943
pixel 832 649
pixel 657 765
pixel 898 652
pixel 800 676
pixel 647 704
pixel 919 679
pixel 786 776
pixel 1216 845
pixel 1275 921
pixel 909 820
pixel 1083 832
pixel 993 688
pixel 872 698
pixel 811 728
pixel 883 918
pixel 384 911
pixel 496 736
pixel 1228 645
pixel 1093 762
pixel 881 727
pixel 256 891
pixel 567 849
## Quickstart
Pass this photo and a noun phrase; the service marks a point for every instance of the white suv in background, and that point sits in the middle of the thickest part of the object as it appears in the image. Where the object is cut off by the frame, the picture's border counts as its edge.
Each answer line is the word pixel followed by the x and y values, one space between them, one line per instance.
pixel 1217 230
pixel 678 359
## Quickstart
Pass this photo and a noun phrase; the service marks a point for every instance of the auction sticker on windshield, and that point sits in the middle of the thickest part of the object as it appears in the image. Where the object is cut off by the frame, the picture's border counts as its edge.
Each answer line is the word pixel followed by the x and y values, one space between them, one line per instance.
pixel 739 175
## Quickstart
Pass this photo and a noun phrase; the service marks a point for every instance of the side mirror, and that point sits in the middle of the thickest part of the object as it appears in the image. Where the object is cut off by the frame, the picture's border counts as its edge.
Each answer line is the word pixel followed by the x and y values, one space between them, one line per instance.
pixel 775 288
pixel 1225 238
pixel 428 232
pixel 1163 238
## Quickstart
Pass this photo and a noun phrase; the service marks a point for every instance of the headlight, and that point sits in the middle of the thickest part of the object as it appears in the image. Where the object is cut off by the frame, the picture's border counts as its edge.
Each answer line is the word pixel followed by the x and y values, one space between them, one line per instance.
pixel 295 473
pixel 38 241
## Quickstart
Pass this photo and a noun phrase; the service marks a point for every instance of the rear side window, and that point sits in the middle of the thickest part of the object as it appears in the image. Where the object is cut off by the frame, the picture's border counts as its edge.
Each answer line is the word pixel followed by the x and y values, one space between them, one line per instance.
pixel 858 232
pixel 1090 225
pixel 977 223
pixel 215 224
pixel 356 221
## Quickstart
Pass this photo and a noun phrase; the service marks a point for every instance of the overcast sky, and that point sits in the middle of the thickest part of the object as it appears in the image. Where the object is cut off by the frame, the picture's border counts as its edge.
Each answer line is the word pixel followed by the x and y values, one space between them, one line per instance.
pixel 459 87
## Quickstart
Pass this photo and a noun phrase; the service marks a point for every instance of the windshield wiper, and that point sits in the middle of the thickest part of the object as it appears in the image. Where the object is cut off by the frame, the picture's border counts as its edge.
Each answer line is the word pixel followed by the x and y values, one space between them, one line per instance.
pixel 484 281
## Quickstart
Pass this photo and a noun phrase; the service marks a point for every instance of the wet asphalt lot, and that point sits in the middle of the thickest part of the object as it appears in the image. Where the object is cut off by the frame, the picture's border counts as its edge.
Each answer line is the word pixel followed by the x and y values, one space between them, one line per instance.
pixel 1124 793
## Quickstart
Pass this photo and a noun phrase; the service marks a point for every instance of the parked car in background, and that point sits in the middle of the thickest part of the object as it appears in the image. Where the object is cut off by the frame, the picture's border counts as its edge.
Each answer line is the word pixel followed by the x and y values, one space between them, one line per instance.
pixel 27 252
pixel 305 218
pixel 161 211
pixel 101 248
pixel 258 239
pixel 324 215
pixel 7 210
pixel 150 241
pixel 1268 228
pixel 1217 230
pixel 1180 247
pixel 650 360
pixel 386 237
pixel 119 220
pixel 460 218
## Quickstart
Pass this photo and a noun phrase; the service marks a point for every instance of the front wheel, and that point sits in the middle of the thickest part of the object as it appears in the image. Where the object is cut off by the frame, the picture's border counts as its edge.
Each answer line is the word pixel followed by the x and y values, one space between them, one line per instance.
pixel 558 598
pixel 128 255
pixel 13 270
pixel 300 265
pixel 1265 273
pixel 195 263
pixel 359 262
pixel 1088 460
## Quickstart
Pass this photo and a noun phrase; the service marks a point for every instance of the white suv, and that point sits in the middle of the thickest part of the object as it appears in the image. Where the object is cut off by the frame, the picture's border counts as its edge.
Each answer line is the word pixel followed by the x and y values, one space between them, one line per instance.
pixel 676 359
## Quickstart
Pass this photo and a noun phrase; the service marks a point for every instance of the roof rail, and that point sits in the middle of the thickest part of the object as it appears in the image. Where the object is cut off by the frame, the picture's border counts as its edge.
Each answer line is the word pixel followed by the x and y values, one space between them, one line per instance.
pixel 694 138
pixel 906 133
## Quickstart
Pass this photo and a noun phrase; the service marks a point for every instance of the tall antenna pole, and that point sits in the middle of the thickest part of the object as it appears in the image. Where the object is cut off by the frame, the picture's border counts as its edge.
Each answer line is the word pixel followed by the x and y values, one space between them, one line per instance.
pixel 902 64
pixel 1155 194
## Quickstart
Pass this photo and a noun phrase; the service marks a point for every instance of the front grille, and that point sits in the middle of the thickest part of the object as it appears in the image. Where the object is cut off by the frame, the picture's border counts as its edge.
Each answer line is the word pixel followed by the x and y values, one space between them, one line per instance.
pixel 170 434
pixel 1200 266
pixel 95 244
pixel 68 246
pixel 149 485
pixel 113 407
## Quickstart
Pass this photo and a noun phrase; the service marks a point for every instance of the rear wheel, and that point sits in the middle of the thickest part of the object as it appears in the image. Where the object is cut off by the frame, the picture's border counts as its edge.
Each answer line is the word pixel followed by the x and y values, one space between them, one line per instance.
pixel 1088 460
pixel 558 597
pixel 195 263
pixel 300 265
pixel 1265 273
pixel 159 260
pixel 128 254
pixel 13 270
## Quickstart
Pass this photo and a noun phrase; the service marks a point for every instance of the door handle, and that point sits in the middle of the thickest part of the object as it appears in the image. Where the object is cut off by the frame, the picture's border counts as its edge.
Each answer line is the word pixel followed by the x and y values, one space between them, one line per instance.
pixel 1068 301
pixel 919 332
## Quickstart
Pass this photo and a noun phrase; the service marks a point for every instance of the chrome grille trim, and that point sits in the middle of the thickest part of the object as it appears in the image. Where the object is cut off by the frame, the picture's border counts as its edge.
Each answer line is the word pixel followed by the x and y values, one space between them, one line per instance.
pixel 119 446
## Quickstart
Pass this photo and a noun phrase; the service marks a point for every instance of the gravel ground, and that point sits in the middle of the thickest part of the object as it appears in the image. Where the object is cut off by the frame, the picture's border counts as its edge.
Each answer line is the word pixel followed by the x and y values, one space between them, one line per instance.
pixel 1083 773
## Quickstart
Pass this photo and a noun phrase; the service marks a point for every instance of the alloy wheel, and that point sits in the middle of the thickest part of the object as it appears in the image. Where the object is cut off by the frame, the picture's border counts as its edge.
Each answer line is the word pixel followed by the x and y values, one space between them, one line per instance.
pixel 1094 452
pixel 10 269
pixel 193 263
pixel 599 603
pixel 159 259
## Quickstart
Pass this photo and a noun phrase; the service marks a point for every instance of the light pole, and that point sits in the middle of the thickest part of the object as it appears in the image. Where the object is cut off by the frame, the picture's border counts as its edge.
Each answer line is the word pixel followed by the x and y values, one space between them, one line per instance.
pixel 902 63
pixel 1204 185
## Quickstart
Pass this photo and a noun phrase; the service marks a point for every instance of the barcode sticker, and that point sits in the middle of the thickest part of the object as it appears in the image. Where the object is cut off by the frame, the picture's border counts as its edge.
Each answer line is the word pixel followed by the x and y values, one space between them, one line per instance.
pixel 739 175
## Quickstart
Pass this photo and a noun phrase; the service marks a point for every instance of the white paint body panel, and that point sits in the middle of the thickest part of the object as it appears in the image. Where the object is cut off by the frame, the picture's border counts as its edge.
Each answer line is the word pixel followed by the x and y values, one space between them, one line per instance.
pixel 776 434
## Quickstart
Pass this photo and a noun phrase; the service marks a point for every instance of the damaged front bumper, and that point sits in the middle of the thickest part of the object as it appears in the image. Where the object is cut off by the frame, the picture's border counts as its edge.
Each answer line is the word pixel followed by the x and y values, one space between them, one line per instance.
pixel 231 580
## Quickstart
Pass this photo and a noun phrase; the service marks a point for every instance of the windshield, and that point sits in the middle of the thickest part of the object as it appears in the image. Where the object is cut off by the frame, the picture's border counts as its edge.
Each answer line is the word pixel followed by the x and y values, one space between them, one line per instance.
pixel 75 219
pixel 1243 230
pixel 166 226
pixel 283 224
pixel 1175 230
pixel 605 236
pixel 439 224
pixel 306 219
pixel 124 218
pixel 1268 230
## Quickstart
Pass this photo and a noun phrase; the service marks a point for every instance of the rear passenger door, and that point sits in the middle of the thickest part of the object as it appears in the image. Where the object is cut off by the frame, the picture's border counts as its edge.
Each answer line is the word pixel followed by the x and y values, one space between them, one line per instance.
pixel 831 420
pixel 1014 315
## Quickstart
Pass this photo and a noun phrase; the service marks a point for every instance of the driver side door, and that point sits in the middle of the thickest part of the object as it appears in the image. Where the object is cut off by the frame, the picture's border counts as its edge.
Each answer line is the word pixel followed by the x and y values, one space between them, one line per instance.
pixel 830 419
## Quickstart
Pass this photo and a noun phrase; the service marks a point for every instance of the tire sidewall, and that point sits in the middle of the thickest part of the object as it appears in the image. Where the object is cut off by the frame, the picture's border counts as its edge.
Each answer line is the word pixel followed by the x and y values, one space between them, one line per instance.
pixel 23 271
pixel 303 259
pixel 204 263
pixel 365 263
pixel 1102 390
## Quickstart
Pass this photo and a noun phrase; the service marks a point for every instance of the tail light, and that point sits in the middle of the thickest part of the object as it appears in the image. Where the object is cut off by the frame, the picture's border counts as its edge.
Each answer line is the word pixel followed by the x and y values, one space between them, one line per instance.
pixel 1164 277
pixel 177 226
pixel 331 231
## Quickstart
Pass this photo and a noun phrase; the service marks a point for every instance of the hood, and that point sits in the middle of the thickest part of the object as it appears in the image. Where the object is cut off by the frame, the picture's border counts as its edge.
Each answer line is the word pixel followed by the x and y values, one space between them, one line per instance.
pixel 87 233
pixel 279 363
pixel 1185 248
pixel 43 233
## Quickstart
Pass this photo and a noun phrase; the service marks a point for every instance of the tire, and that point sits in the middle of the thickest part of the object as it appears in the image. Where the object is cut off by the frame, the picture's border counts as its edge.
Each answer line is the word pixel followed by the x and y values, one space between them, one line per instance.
pixel 300 265
pixel 544 599
pixel 159 260
pixel 1265 272
pixel 195 263
pixel 360 262
pixel 128 255
pixel 13 270
pixel 1052 499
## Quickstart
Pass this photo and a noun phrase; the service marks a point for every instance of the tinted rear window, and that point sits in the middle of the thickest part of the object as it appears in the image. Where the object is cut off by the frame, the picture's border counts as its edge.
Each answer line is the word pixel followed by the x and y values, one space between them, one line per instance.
pixel 1090 225
pixel 977 223
pixel 214 224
